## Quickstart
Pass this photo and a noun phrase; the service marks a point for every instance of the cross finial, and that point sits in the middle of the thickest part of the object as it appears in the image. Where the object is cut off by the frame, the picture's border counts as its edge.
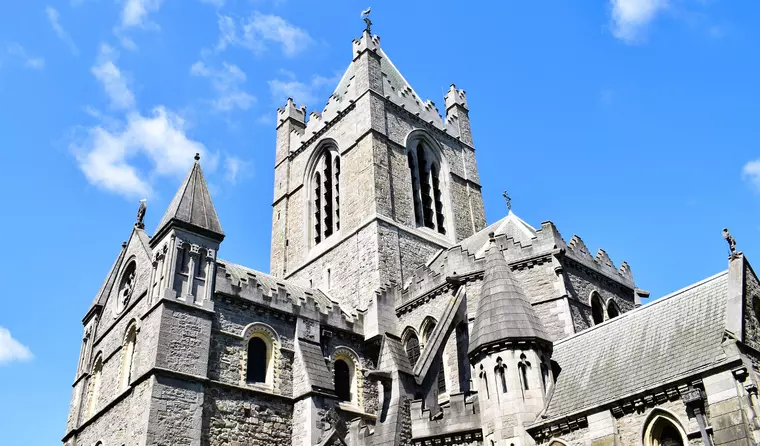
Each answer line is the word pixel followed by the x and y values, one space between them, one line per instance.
pixel 508 200
pixel 365 16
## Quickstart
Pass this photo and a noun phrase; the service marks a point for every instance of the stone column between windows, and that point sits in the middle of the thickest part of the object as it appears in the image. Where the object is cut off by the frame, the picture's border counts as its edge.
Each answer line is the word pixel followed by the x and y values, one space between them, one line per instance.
pixel 208 277
pixel 194 252
pixel 170 266
pixel 431 196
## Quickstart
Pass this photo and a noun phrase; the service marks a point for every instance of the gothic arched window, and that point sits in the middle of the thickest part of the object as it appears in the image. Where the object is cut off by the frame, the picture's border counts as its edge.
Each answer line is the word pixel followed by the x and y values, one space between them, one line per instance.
pixel 484 381
pixel 412 348
pixel 663 429
pixel 94 385
pixel 128 356
pixel 612 309
pixel 261 355
pixel 425 171
pixel 545 377
pixel 501 375
pixel 258 360
pixel 597 308
pixel 523 366
pixel 342 380
pixel 325 194
pixel 126 286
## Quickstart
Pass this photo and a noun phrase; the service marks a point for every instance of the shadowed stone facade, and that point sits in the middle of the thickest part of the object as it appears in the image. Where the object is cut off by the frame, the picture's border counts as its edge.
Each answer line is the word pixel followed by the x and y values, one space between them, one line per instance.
pixel 394 316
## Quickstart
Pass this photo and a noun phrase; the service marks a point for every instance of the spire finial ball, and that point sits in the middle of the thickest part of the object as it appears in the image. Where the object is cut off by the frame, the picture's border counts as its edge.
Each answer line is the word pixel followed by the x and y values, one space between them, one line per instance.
pixel 197 156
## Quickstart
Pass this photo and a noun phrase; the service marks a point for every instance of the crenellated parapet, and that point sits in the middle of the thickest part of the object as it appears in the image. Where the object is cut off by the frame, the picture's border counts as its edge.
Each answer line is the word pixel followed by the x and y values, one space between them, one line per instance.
pixel 291 112
pixel 455 419
pixel 601 262
pixel 265 290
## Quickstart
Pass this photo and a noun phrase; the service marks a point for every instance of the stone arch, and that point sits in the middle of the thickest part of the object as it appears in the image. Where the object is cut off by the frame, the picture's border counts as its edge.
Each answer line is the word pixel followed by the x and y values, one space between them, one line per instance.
pixel 411 342
pixel 94 382
pixel 126 284
pixel 426 328
pixel 430 182
pixel 253 334
pixel 613 309
pixel 128 355
pixel 322 183
pixel 658 423
pixel 355 381
pixel 598 309
pixel 557 442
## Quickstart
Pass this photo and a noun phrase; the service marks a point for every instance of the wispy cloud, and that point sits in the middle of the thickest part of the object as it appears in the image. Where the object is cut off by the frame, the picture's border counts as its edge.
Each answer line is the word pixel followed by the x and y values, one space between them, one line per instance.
pixel 227 82
pixel 135 12
pixel 236 169
pixel 261 30
pixel 302 92
pixel 113 81
pixel 217 3
pixel 18 51
pixel 630 18
pixel 55 23
pixel 12 350
pixel 751 173
pixel 113 154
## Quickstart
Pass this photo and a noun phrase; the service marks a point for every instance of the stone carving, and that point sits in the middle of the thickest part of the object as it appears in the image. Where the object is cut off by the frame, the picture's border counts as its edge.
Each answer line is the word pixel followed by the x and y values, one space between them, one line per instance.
pixel 141 214
pixel 365 16
pixel 126 289
pixel 730 240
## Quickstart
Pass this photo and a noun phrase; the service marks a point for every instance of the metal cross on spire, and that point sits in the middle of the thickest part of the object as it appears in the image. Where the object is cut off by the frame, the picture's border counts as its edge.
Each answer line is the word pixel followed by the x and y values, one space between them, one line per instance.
pixel 365 16
pixel 508 199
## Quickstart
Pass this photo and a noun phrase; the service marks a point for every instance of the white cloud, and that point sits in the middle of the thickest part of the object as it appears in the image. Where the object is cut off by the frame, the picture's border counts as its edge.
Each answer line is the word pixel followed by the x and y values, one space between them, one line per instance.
pixel 55 22
pixel 260 30
pixel 751 173
pixel 301 92
pixel 16 50
pixel 631 17
pixel 135 12
pixel 227 83
pixel 217 3
pixel 114 83
pixel 107 156
pixel 236 168
pixel 12 350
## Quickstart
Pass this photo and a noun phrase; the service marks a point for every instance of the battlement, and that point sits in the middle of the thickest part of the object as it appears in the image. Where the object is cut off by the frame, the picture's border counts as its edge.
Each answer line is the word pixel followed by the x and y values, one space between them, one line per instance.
pixel 364 43
pixel 260 288
pixel 601 262
pixel 290 111
pixel 455 97
pixel 459 415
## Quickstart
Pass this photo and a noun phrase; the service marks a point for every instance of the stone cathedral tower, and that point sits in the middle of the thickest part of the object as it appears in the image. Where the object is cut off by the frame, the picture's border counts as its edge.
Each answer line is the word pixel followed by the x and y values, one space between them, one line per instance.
pixel 366 191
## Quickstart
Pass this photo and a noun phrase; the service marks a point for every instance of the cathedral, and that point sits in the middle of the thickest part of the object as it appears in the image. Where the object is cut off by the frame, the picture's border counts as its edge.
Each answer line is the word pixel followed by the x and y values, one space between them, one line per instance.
pixel 394 315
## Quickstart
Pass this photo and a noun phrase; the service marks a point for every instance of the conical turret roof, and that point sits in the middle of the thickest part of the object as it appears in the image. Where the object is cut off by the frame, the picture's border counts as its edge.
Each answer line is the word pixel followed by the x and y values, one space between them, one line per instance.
pixel 504 311
pixel 192 207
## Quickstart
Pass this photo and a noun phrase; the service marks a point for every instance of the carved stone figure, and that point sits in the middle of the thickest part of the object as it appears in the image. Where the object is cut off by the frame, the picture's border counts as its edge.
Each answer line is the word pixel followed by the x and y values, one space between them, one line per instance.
pixel 141 214
pixel 730 240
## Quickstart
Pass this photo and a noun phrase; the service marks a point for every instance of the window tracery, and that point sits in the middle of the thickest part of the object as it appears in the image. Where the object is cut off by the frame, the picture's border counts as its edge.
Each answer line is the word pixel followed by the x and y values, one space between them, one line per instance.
pixel 325 194
pixel 94 385
pixel 127 356
pixel 427 188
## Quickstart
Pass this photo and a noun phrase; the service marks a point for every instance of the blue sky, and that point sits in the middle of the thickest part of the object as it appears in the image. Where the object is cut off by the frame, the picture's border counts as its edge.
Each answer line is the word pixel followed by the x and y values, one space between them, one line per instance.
pixel 632 123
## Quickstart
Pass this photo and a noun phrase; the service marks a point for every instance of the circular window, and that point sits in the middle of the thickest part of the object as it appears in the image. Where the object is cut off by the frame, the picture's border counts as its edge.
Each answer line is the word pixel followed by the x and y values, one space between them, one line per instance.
pixel 126 286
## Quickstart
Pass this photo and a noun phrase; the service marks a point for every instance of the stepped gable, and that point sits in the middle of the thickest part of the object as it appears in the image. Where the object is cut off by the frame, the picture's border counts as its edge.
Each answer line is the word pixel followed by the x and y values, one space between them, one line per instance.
pixel 504 311
pixel 192 208
pixel 283 295
pixel 641 349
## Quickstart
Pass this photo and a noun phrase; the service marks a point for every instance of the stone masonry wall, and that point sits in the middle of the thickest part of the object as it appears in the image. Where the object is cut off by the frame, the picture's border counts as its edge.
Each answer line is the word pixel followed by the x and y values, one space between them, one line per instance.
pixel 751 308
pixel 236 417
pixel 124 424
pixel 175 412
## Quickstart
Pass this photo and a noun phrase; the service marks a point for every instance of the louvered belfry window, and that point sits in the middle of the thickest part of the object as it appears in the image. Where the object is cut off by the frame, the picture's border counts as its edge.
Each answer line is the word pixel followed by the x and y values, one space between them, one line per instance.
pixel 326 195
pixel 426 188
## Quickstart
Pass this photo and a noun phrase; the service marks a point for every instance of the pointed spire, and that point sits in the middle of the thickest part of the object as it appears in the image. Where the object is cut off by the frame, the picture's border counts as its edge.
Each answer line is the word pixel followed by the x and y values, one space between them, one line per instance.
pixel 192 208
pixel 504 312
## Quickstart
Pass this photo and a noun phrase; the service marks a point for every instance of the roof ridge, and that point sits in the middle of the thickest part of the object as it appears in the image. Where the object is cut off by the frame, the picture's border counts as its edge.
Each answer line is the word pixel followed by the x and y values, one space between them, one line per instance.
pixel 638 310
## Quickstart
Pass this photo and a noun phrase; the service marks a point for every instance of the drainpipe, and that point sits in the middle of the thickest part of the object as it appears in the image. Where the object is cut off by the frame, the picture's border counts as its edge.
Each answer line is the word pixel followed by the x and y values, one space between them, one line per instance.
pixel 694 400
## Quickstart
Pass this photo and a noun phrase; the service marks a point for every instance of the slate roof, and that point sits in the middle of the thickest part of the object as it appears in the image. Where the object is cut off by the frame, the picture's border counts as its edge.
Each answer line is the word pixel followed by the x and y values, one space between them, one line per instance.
pixel 393 356
pixel 317 372
pixel 660 342
pixel 504 311
pixel 192 206
pixel 297 293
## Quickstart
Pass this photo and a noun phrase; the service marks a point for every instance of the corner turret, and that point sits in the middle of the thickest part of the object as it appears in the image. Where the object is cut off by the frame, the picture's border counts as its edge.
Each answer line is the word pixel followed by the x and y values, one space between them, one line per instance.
pixel 458 115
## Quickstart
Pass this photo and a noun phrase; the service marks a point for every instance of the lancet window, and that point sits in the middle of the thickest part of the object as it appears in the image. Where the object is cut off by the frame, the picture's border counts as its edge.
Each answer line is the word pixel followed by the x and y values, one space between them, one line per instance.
pixel 427 190
pixel 325 195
